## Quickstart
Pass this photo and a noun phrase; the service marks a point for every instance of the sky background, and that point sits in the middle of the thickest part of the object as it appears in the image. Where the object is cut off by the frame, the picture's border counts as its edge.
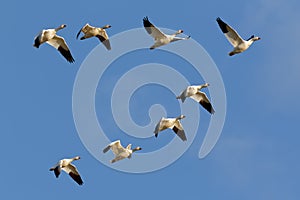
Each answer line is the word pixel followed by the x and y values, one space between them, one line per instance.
pixel 257 155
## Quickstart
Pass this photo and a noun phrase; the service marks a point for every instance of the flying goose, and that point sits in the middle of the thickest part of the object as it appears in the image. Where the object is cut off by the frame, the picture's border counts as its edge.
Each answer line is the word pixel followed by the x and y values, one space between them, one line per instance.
pixel 235 39
pixel 119 151
pixel 195 93
pixel 65 165
pixel 49 36
pixel 172 123
pixel 159 37
pixel 90 31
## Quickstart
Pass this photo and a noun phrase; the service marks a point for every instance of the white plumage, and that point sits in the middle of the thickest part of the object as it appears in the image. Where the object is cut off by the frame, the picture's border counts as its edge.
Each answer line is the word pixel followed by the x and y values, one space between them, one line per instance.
pixel 160 37
pixel 49 36
pixel 194 92
pixel 119 151
pixel 65 165
pixel 91 31
pixel 171 123
pixel 235 39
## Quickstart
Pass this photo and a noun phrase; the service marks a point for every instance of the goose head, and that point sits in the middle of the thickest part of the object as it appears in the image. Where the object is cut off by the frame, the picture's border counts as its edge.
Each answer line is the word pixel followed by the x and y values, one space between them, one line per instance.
pixel 178 32
pixel 205 85
pixel 256 38
pixel 106 26
pixel 180 117
pixel 76 158
pixel 60 27
pixel 136 149
pixel 253 38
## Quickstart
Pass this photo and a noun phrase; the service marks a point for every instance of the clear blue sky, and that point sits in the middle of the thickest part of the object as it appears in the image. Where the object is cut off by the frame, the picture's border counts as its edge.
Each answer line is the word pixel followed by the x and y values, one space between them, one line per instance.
pixel 257 156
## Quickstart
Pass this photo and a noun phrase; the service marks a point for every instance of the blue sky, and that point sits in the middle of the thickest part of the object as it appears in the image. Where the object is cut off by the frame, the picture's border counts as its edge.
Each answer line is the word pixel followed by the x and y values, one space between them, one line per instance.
pixel 256 156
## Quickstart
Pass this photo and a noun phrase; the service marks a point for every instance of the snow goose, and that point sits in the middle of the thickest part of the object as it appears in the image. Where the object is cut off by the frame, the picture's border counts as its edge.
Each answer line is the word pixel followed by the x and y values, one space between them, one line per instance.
pixel 49 36
pixel 159 37
pixel 65 165
pixel 171 123
pixel 90 31
pixel 195 93
pixel 119 151
pixel 235 39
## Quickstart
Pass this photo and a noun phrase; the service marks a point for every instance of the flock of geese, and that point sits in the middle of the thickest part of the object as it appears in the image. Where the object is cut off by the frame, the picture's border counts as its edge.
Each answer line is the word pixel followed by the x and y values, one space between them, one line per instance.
pixel 50 36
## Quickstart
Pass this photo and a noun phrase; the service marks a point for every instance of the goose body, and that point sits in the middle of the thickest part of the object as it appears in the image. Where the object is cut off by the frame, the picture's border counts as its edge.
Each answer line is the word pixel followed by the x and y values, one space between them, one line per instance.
pixel 119 151
pixel 49 36
pixel 160 38
pixel 239 44
pixel 195 93
pixel 67 166
pixel 100 33
pixel 171 123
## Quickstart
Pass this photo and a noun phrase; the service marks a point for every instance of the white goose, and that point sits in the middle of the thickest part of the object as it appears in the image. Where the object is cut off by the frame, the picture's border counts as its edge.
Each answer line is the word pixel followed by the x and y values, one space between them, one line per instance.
pixel 49 36
pixel 119 151
pixel 90 31
pixel 235 39
pixel 195 93
pixel 171 123
pixel 65 165
pixel 159 37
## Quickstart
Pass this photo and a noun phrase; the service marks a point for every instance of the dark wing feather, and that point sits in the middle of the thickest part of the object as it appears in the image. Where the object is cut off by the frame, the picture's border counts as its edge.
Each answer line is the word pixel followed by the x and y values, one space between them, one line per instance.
pixel 207 106
pixel 76 177
pixel 105 42
pixel 78 33
pixel 148 25
pixel 106 149
pixel 57 171
pixel 180 133
pixel 66 53
pixel 37 42
pixel 222 25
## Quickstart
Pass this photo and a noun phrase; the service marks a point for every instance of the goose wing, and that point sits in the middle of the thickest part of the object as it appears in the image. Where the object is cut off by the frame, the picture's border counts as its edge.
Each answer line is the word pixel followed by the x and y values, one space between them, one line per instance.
pixel 178 129
pixel 157 128
pixel 73 172
pixel 60 44
pixel 163 124
pixel 103 37
pixel 86 28
pixel 56 170
pixel 116 147
pixel 204 101
pixel 232 36
pixel 152 30
pixel 37 40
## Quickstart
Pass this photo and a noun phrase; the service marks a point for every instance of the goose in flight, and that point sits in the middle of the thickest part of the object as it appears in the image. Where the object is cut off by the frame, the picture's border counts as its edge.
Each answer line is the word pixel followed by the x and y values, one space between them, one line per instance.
pixel 159 37
pixel 65 165
pixel 172 123
pixel 119 151
pixel 49 36
pixel 194 92
pixel 235 39
pixel 90 31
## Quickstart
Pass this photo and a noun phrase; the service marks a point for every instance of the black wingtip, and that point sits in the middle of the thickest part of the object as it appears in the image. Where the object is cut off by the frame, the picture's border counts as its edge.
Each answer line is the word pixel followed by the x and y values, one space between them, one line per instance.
pixel 67 54
pixel 222 25
pixel 146 22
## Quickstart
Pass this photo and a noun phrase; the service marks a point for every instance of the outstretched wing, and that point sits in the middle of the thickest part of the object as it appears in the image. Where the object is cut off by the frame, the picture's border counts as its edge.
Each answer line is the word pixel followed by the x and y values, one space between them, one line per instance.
pixel 60 44
pixel 178 129
pixel 104 39
pixel 115 146
pixel 232 36
pixel 73 172
pixel 152 30
pixel 204 101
